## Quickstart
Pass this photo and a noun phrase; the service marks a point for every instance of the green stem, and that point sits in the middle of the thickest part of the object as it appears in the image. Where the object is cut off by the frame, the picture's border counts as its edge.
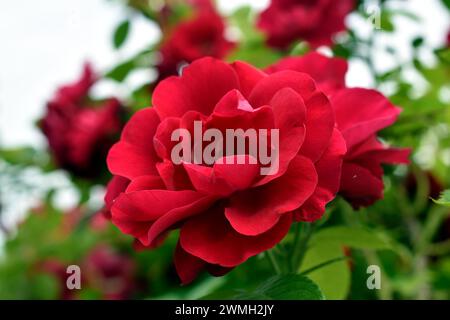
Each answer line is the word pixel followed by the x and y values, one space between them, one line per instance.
pixel 273 261
pixel 323 264
pixel 301 244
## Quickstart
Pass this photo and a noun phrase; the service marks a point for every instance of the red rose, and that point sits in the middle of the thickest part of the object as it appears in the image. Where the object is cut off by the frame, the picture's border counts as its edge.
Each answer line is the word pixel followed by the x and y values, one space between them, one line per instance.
pixel 360 114
pixel 314 21
pixel 57 269
pixel 226 213
pixel 103 269
pixel 80 131
pixel 110 273
pixel 448 39
pixel 201 36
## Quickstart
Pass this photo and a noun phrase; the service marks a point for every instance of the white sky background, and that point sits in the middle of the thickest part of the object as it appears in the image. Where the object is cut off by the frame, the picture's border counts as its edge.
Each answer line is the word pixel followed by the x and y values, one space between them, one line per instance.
pixel 44 43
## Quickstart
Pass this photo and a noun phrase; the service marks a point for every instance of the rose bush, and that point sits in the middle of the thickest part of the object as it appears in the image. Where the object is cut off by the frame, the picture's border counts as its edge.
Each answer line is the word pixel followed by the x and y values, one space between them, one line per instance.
pixel 286 21
pixel 79 130
pixel 360 114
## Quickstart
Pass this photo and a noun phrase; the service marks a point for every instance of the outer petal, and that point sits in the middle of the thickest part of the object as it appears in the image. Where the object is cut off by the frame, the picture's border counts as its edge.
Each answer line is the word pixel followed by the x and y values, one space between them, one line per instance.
pixel 115 187
pixel 200 87
pixel 373 150
pixel 187 265
pixel 211 238
pixel 134 212
pixel 329 73
pixel 255 211
pixel 362 112
pixel 177 216
pixel 359 186
pixel 134 154
pixel 267 87
pixel 329 173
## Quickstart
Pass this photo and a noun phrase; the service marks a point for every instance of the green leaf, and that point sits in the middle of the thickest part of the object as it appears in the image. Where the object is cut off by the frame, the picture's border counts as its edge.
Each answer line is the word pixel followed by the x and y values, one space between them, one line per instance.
pixel 444 199
pixel 386 22
pixel 120 72
pixel 121 34
pixel 285 287
pixel 334 278
pixel 25 156
pixel 417 42
pixel 354 237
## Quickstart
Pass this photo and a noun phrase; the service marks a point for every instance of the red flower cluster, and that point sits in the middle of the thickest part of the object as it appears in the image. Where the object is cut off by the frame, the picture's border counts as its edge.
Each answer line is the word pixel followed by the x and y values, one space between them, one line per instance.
pixel 314 21
pixel 103 271
pixel 360 114
pixel 80 131
pixel 200 36
pixel 226 212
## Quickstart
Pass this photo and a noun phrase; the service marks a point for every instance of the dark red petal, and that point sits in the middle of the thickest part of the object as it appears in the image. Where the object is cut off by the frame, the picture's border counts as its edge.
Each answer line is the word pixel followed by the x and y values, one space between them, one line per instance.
pixel 255 211
pixel 202 84
pixel 134 212
pixel 362 112
pixel 187 266
pixel 211 238
pixel 178 215
pixel 134 154
pixel 329 172
pixel 359 186
pixel 373 149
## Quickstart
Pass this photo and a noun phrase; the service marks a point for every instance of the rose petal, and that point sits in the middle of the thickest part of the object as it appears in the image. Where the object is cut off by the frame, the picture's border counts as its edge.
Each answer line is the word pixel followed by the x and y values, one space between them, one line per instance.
pixel 329 173
pixel 248 76
pixel 134 154
pixel 362 112
pixel 359 186
pixel 134 212
pixel 329 73
pixel 255 211
pixel 187 266
pixel 211 238
pixel 202 84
